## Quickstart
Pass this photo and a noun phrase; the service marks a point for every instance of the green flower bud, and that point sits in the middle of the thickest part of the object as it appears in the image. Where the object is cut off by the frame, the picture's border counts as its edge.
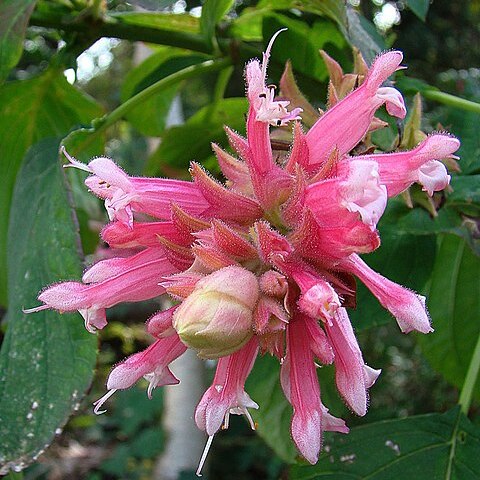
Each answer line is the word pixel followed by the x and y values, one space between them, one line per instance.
pixel 216 318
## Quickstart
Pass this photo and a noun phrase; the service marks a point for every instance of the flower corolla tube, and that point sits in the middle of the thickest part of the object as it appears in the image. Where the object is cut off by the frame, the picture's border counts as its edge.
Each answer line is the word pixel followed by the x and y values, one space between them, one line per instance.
pixel 265 263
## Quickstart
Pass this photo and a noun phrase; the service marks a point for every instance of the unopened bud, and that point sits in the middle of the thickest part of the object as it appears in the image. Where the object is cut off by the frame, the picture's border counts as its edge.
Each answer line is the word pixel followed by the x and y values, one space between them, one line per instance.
pixel 216 318
pixel 274 284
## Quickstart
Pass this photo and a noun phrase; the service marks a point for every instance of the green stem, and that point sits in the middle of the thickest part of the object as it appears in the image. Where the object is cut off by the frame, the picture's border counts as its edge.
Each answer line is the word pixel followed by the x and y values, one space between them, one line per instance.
pixel 222 83
pixel 451 100
pixel 466 394
pixel 102 124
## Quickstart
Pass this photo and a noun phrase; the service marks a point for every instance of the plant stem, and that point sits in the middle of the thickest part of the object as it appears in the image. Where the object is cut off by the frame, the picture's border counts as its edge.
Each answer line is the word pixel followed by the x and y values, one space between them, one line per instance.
pixel 470 380
pixel 451 100
pixel 110 26
pixel 192 71
pixel 222 83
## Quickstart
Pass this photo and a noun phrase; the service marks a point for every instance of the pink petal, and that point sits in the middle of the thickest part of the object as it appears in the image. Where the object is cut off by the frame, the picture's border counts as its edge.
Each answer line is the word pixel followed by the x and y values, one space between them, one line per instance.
pixel 142 234
pixel 139 281
pixel 400 169
pixel 227 394
pixel 406 306
pixel 300 385
pixel 346 123
pixel 152 360
pixel 349 365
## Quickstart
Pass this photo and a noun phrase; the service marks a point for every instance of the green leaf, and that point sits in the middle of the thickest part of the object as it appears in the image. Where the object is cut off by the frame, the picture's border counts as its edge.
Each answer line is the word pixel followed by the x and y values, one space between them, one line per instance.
pixel 150 117
pixel 47 359
pixel 164 21
pixel 49 106
pixel 451 218
pixel 419 8
pixel 192 141
pixel 14 16
pixel 248 26
pixel 435 446
pixel 403 258
pixel 212 12
pixel 454 304
pixel 300 43
pixel 466 194
pixel 363 35
pixel 334 9
pixel 463 123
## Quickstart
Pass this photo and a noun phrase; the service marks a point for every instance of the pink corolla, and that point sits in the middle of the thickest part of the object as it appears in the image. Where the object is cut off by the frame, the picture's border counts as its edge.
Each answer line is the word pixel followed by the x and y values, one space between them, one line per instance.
pixel 262 264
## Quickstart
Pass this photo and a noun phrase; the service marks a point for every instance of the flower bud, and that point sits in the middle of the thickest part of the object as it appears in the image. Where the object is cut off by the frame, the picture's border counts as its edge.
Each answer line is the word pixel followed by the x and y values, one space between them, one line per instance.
pixel 216 318
pixel 273 283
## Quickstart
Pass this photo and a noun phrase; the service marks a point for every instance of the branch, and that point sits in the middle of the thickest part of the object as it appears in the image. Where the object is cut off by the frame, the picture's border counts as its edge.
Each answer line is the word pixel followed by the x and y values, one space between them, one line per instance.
pixel 109 26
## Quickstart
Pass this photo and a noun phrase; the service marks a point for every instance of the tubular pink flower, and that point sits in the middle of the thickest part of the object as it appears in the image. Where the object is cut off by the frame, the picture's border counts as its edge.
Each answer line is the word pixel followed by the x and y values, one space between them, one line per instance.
pixel 152 364
pixel 406 306
pixel 227 394
pixel 399 170
pixel 269 180
pixel 130 279
pixel 357 191
pixel 261 97
pixel 352 376
pixel 124 195
pixel 300 385
pixel 346 123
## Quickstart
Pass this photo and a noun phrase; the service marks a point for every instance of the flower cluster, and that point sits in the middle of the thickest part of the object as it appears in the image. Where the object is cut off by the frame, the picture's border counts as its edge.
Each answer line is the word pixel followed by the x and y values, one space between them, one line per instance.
pixel 265 263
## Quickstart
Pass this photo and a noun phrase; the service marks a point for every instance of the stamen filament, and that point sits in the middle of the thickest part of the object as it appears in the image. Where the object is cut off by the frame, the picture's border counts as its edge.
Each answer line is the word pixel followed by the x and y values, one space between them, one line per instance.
pixel 73 162
pixel 98 403
pixel 204 456
pixel 35 309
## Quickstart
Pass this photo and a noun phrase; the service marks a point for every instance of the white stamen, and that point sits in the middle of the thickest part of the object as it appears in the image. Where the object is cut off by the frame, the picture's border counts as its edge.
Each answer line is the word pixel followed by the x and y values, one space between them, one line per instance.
pixel 226 421
pixel 35 309
pixel 153 383
pixel 250 419
pixel 98 403
pixel 204 456
pixel 74 163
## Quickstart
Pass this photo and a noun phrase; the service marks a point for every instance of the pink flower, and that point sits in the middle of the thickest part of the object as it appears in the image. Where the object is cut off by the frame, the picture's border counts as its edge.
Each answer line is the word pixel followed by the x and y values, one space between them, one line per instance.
pixel 399 170
pixel 347 122
pixel 300 385
pixel 261 264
